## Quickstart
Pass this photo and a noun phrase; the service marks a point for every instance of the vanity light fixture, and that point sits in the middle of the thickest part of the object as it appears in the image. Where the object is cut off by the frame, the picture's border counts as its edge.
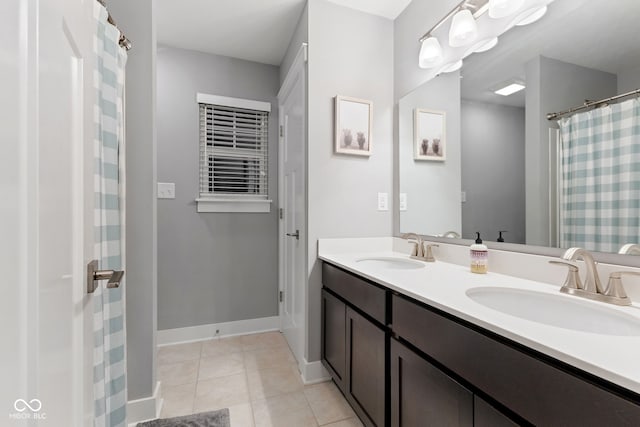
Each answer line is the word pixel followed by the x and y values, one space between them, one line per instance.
pixel 530 16
pixel 503 8
pixel 464 29
pixel 510 89
pixel 430 53
pixel 467 27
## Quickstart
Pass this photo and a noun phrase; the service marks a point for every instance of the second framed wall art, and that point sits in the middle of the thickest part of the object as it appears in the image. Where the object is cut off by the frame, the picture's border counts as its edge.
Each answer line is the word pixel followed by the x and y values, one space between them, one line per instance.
pixel 353 126
pixel 430 142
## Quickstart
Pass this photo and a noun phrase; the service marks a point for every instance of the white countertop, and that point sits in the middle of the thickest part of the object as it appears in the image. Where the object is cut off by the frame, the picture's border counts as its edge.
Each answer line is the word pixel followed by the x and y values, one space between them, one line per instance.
pixel 443 286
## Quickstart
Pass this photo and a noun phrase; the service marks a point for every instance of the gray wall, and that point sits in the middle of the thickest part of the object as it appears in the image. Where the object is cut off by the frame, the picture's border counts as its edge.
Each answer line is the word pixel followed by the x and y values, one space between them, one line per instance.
pixel 552 86
pixel 350 53
pixel 409 26
pixel 137 20
pixel 493 171
pixel 212 267
pixel 301 35
pixel 432 188
pixel 629 80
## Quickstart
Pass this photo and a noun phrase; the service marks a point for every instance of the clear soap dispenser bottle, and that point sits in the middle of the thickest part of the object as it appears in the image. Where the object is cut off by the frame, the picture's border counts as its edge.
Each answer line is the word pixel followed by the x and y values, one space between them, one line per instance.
pixel 479 256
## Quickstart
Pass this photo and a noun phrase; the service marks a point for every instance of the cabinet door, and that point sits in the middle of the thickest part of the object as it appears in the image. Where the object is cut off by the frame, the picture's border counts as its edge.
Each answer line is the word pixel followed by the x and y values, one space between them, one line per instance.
pixel 422 395
pixel 334 337
pixel 366 369
pixel 485 415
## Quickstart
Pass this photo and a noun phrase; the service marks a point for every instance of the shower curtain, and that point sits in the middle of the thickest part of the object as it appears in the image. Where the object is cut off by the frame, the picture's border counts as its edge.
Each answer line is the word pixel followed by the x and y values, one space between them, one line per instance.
pixel 600 178
pixel 109 385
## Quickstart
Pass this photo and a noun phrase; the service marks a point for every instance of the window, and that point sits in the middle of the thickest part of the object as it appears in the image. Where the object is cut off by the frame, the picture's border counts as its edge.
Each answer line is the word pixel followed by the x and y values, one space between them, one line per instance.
pixel 234 155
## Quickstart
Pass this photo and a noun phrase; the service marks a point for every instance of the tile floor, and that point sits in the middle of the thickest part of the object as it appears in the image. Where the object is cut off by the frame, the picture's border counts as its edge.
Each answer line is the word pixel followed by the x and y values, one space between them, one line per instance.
pixel 255 376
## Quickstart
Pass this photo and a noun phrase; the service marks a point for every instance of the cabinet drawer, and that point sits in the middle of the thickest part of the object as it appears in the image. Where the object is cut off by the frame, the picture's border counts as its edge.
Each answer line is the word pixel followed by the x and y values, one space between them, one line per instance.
pixel 364 295
pixel 534 389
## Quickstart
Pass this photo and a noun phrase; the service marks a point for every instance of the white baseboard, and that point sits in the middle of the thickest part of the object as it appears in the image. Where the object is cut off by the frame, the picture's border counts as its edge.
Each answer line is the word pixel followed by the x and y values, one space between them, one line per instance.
pixel 313 372
pixel 145 409
pixel 226 329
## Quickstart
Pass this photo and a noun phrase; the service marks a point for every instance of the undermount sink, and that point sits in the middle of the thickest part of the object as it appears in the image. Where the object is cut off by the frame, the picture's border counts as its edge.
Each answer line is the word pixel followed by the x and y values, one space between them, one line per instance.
pixel 391 263
pixel 556 310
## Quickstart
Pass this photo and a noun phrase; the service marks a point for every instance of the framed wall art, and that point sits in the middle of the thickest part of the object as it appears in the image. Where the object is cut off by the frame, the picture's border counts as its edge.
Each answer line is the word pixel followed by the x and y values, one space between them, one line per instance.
pixel 353 126
pixel 430 141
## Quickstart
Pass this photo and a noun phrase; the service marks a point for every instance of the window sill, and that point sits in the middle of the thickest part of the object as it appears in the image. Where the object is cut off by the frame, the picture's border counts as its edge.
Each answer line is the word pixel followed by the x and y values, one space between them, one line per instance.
pixel 233 205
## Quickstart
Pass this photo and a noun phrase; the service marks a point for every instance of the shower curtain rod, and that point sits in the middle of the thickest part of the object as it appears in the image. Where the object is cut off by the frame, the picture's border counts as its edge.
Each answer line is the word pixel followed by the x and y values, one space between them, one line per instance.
pixel 124 42
pixel 589 104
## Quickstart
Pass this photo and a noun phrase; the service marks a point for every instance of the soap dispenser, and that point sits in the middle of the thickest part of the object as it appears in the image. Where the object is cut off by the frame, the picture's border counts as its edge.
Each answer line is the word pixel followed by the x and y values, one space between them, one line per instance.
pixel 479 256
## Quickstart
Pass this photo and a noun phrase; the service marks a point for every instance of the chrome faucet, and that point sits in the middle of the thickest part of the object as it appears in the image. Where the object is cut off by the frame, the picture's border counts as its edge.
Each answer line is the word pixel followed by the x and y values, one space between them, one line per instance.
pixel 418 247
pixel 592 289
pixel 630 249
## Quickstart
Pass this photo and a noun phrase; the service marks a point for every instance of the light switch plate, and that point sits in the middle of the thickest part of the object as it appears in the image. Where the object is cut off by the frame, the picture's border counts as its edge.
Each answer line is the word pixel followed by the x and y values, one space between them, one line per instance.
pixel 463 196
pixel 166 190
pixel 383 201
pixel 403 202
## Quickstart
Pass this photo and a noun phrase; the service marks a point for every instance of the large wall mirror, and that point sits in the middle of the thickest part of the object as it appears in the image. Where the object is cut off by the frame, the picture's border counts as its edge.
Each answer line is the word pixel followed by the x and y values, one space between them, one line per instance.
pixel 504 160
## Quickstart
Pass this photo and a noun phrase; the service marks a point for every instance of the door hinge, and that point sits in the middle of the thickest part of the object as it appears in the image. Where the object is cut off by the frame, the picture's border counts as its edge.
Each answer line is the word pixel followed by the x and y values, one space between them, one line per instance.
pixel 281 213
pixel 281 132
pixel 280 295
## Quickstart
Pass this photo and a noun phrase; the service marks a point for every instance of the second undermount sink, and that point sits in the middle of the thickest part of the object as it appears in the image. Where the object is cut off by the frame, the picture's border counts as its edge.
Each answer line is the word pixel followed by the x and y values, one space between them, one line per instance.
pixel 391 263
pixel 557 310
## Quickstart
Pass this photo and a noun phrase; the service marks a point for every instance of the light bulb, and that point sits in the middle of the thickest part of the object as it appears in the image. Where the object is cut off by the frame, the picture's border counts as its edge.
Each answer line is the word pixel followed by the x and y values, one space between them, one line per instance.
pixel 464 29
pixel 430 53
pixel 502 8
pixel 530 16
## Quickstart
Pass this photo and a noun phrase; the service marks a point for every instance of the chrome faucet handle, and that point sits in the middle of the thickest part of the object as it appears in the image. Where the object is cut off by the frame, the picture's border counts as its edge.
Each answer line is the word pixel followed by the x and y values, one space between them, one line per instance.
pixel 592 282
pixel 615 289
pixel 573 277
pixel 428 256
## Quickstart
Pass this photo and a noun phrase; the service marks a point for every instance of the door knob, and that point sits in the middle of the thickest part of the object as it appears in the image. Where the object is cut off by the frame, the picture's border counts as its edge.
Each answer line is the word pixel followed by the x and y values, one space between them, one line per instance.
pixel 94 275
pixel 296 234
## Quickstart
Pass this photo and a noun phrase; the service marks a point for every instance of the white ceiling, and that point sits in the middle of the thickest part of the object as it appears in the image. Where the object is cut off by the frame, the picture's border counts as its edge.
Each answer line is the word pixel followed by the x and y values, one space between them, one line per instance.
pixel 602 35
pixel 254 30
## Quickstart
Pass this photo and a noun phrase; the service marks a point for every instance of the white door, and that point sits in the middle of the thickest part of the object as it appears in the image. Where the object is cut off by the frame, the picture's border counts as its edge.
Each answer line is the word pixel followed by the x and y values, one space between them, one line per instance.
pixel 49 211
pixel 292 194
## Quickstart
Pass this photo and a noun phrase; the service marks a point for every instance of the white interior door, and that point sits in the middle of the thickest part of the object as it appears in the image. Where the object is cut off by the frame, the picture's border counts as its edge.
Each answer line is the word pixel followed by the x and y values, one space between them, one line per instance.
pixel 53 213
pixel 292 179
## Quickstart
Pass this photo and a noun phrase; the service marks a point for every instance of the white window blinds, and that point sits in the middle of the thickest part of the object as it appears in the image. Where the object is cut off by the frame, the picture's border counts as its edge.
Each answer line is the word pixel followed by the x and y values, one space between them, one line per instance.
pixel 234 152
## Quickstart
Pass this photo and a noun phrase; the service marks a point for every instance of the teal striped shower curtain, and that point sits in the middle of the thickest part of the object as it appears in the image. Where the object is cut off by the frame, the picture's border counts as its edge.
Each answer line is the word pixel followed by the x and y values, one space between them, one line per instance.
pixel 110 385
pixel 600 178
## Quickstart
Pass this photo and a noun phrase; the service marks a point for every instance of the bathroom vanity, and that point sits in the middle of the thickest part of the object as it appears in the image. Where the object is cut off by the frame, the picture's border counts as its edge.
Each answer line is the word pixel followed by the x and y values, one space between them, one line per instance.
pixel 407 346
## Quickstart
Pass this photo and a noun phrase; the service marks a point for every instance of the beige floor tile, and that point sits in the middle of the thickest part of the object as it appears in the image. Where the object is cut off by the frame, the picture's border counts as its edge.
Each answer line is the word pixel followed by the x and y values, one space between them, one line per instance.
pixel 178 373
pixel 268 358
pixel 241 415
pixel 222 346
pixel 221 366
pixel 285 410
pixel 351 422
pixel 273 382
pixel 179 352
pixel 222 392
pixel 177 400
pixel 327 403
pixel 263 340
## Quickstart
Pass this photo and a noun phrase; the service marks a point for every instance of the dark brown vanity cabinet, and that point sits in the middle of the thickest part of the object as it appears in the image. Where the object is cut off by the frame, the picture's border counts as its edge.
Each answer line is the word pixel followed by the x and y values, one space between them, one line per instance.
pixel 401 362
pixel 354 340
pixel 422 395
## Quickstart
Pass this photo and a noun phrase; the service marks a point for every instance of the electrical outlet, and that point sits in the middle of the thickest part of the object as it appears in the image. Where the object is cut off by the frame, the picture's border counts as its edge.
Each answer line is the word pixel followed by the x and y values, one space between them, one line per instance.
pixel 166 190
pixel 403 202
pixel 383 201
pixel 463 196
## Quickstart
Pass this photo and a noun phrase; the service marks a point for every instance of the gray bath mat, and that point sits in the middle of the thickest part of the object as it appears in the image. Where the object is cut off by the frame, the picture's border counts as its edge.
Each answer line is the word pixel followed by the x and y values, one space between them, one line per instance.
pixel 218 418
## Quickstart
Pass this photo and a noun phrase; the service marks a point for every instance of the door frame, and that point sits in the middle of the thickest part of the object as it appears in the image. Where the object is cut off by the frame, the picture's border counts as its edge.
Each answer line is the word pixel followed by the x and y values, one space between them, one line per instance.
pixel 298 67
